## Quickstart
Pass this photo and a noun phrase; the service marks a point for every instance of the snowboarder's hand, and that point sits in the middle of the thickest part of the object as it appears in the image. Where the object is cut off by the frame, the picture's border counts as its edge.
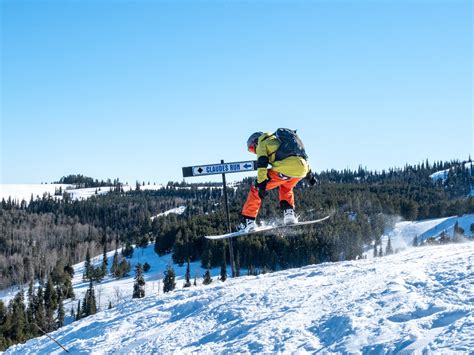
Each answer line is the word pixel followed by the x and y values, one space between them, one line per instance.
pixel 262 188
pixel 311 179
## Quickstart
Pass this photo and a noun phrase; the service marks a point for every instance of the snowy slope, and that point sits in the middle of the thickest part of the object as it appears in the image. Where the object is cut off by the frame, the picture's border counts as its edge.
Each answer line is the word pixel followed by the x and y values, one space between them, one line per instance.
pixel 21 192
pixel 418 300
pixel 404 232
pixel 178 210
pixel 443 174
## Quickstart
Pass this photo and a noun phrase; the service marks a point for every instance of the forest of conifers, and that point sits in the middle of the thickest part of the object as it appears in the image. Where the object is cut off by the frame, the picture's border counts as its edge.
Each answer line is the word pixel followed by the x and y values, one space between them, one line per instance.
pixel 34 235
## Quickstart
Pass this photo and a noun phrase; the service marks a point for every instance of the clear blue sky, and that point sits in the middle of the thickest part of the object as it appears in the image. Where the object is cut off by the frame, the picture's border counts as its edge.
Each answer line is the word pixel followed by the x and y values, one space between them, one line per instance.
pixel 139 89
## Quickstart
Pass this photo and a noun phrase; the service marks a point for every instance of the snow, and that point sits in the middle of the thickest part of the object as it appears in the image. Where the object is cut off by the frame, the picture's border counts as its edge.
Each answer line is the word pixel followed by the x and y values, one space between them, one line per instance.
pixel 443 174
pixel 21 192
pixel 419 300
pixel 178 210
pixel 402 235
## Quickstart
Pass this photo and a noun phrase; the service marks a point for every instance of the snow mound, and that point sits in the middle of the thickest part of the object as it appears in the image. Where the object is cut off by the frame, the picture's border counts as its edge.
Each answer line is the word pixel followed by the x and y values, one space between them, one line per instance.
pixel 420 300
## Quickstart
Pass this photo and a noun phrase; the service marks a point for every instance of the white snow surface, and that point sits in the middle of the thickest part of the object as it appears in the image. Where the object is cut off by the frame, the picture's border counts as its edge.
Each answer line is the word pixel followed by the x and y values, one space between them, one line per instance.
pixel 405 231
pixel 443 174
pixel 21 192
pixel 420 300
pixel 178 210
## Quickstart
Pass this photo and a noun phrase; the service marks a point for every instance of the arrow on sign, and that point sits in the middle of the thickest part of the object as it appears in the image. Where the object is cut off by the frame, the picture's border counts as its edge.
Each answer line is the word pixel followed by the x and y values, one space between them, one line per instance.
pixel 246 166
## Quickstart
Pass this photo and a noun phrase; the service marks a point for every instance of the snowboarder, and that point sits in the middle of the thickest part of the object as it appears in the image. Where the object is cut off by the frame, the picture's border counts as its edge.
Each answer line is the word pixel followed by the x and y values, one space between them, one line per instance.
pixel 284 151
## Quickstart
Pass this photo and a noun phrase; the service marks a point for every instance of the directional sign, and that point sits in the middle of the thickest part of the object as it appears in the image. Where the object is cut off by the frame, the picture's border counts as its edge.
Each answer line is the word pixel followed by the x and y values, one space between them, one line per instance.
pixel 225 168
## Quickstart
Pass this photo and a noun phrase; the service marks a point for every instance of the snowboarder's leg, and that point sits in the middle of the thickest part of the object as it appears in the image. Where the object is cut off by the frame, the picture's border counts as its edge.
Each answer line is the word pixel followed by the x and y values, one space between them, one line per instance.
pixel 253 202
pixel 287 200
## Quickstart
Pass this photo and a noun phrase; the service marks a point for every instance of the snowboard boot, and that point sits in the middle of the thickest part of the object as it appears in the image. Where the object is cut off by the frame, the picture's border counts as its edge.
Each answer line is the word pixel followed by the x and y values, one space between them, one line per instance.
pixel 289 216
pixel 247 225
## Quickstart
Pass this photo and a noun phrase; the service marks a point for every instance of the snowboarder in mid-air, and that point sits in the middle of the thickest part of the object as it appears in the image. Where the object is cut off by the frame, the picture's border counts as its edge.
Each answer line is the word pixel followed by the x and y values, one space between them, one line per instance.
pixel 285 152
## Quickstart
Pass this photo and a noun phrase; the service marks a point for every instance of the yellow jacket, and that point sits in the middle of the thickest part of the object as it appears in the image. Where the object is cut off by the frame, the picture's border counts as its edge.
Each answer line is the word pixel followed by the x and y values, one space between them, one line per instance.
pixel 292 166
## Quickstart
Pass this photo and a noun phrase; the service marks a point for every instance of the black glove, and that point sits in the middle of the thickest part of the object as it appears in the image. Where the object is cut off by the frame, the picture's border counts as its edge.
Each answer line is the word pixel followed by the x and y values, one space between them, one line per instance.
pixel 311 178
pixel 262 188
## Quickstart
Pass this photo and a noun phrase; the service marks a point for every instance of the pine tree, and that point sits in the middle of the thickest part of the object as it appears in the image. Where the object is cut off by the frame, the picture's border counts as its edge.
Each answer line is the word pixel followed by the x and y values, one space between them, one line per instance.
pixel 79 310
pixel 389 249
pixel 110 304
pixel 89 306
pixel 30 310
pixel 3 326
pixel 146 267
pixel 223 267
pixel 61 313
pixel 139 284
pixel 237 264
pixel 18 318
pixel 124 268
pixel 169 283
pixel 187 277
pixel 50 305
pixel 115 263
pixel 40 314
pixel 207 279
pixel 103 267
pixel 87 275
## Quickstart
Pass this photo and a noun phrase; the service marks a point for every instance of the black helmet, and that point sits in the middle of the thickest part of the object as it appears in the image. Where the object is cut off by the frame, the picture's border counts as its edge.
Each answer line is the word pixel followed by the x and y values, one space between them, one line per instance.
pixel 252 141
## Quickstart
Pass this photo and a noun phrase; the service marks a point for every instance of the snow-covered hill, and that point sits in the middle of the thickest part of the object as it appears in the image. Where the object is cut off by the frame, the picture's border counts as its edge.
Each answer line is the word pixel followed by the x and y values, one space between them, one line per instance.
pixel 419 300
pixel 19 192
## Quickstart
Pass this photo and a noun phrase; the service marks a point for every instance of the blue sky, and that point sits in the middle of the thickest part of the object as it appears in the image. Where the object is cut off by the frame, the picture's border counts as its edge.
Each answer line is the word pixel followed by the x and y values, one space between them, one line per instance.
pixel 139 89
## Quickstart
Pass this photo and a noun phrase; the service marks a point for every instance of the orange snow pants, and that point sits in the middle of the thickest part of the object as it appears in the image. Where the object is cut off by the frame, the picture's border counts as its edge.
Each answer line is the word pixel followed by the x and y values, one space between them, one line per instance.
pixel 285 185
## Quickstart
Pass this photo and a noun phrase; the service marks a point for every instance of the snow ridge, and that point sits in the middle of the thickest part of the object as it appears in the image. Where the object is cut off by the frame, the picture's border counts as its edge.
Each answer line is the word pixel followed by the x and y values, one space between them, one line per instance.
pixel 419 300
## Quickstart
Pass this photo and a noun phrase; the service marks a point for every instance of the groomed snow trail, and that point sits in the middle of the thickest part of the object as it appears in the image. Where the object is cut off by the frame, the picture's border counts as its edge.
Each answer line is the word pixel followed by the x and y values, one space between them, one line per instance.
pixel 419 300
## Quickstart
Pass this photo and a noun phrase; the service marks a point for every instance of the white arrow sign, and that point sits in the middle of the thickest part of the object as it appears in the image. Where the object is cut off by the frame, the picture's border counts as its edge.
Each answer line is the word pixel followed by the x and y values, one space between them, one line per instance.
pixel 236 167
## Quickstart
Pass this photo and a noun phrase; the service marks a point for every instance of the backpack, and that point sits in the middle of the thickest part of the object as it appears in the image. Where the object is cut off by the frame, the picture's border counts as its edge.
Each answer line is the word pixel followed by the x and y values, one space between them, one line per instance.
pixel 290 144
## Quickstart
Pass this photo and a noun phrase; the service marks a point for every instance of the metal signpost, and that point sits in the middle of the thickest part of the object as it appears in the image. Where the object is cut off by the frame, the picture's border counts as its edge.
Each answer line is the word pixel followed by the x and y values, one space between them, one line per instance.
pixel 222 168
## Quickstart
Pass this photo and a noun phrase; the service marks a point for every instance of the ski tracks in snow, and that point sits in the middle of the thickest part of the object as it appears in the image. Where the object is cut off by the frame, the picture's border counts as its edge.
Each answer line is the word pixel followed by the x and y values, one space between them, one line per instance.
pixel 418 300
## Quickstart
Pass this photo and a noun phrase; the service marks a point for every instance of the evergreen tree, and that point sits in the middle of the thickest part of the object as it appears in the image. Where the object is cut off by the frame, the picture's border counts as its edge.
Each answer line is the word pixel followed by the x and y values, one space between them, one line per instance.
pixel 103 267
pixel 223 267
pixel 127 252
pixel 87 275
pixel 50 305
pixel 89 306
pixel 18 318
pixel 30 310
pixel 115 265
pixel 187 277
pixel 61 313
pixel 4 343
pixel 169 283
pixel 139 284
pixel 237 264
pixel 110 304
pixel 146 267
pixel 207 279
pixel 79 310
pixel 389 249
pixel 124 268
pixel 40 314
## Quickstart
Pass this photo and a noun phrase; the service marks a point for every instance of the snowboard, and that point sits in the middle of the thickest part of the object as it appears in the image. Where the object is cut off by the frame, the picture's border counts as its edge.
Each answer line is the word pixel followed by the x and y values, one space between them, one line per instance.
pixel 263 229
